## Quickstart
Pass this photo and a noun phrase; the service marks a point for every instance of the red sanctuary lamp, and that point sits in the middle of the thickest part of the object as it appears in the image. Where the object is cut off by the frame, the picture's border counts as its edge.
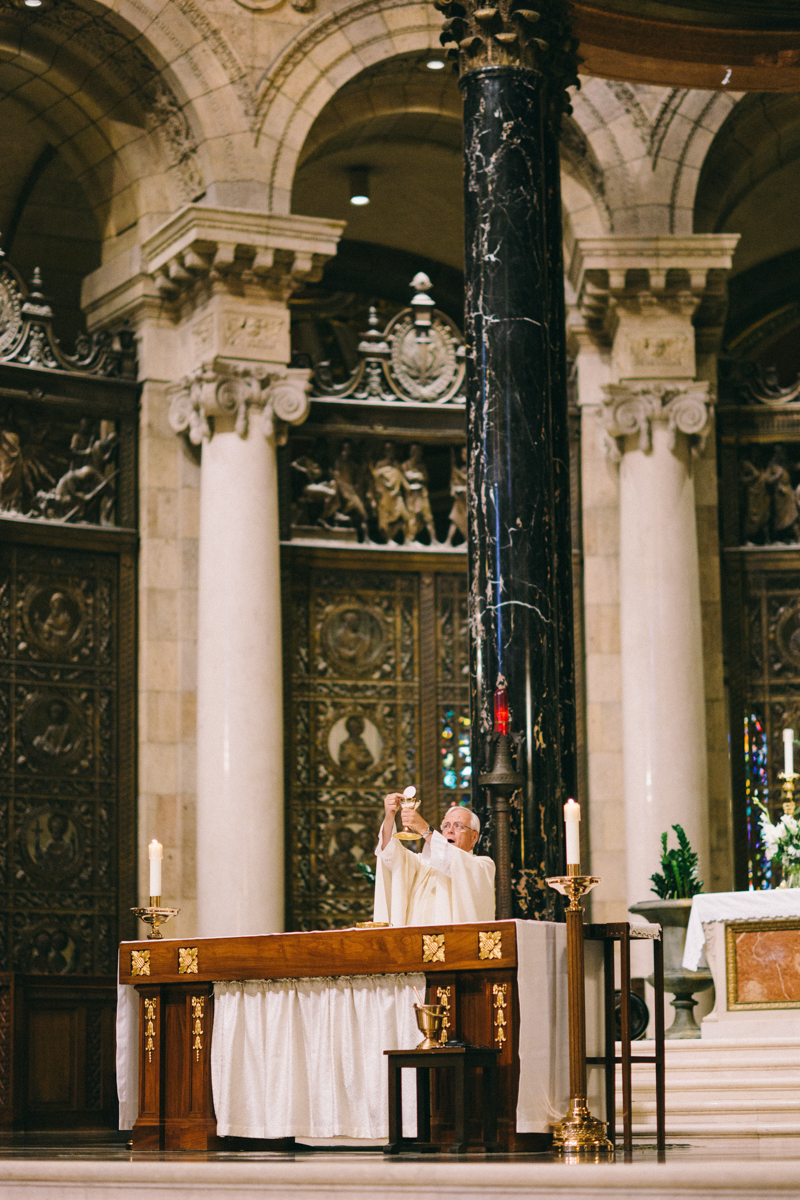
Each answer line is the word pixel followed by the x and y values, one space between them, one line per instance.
pixel 501 706
pixel 501 780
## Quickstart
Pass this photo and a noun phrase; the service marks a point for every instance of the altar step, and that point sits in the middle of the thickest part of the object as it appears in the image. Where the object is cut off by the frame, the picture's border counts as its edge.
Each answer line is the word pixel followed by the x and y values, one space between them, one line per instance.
pixel 720 1089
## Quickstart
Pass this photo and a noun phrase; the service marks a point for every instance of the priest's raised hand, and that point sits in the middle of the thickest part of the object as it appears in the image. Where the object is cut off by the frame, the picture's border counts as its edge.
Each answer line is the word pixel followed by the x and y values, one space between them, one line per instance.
pixel 445 884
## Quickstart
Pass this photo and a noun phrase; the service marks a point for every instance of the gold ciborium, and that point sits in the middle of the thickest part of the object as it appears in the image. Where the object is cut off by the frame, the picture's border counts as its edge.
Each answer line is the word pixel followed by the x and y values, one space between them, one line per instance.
pixel 411 802
pixel 429 1021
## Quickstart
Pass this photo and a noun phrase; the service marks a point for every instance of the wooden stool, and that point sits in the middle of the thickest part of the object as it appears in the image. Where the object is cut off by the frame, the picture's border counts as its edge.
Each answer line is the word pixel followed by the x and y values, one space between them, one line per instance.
pixel 459 1060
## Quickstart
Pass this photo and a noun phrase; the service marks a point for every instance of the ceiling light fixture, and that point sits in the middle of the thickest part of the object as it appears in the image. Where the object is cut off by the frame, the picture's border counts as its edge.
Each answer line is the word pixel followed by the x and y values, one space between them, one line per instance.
pixel 435 64
pixel 33 3
pixel 359 186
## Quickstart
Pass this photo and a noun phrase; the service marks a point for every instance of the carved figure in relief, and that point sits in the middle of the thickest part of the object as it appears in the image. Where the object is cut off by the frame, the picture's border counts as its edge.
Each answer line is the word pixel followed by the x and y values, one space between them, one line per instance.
pixel 57 737
pixel 57 626
pixel 785 524
pixel 389 491
pixel 348 500
pixel 51 841
pixel 353 639
pixel 355 756
pixel 458 490
pixel 316 489
pixel 87 479
pixel 417 497
pixel 757 507
pixel 21 473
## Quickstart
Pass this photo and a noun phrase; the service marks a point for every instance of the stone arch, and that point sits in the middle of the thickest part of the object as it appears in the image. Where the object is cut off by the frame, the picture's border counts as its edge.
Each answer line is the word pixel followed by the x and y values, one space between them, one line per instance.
pixel 649 143
pixel 327 54
pixel 740 177
pixel 130 109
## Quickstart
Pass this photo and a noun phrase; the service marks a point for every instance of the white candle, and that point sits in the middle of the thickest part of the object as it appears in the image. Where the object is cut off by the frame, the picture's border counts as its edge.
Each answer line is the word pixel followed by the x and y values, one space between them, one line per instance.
pixel 156 852
pixel 572 820
pixel 788 752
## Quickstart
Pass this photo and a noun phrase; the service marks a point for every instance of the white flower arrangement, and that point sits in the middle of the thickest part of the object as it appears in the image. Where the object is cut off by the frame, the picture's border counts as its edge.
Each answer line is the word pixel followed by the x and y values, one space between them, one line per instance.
pixel 782 844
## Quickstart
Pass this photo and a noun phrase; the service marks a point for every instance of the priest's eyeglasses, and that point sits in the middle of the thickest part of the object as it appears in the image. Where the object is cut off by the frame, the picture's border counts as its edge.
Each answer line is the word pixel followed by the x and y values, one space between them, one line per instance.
pixel 454 825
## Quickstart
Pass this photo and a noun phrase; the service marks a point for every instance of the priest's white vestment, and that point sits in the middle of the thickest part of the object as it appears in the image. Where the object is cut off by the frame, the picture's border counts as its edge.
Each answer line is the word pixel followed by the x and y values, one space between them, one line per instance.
pixel 441 886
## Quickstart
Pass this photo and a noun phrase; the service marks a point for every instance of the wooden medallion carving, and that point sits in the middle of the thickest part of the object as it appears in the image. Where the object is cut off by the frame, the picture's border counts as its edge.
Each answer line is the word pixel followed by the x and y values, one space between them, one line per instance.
pixel 140 962
pixel 490 945
pixel 433 947
pixel 187 960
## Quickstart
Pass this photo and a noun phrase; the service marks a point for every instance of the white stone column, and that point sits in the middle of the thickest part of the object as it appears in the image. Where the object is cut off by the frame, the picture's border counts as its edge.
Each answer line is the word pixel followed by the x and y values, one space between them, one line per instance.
pixel 652 428
pixel 235 410
pixel 207 295
pixel 639 302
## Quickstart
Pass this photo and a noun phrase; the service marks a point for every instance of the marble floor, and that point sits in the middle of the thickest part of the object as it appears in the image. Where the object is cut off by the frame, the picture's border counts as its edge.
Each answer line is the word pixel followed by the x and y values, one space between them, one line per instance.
pixel 42 1168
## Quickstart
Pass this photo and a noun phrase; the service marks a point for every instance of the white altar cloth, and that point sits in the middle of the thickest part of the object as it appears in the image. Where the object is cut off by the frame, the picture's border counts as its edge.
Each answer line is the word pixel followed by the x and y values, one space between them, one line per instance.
pixel 304 1057
pixel 734 906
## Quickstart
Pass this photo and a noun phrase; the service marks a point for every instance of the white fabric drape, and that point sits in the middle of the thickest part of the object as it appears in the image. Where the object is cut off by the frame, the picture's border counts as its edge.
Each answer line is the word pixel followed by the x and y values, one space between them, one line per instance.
pixel 543 1025
pixel 304 1057
pixel 734 906
pixel 127 1055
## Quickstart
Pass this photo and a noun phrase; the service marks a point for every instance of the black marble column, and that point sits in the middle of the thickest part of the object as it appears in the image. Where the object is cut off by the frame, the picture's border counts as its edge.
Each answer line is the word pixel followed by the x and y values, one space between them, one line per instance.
pixel 514 65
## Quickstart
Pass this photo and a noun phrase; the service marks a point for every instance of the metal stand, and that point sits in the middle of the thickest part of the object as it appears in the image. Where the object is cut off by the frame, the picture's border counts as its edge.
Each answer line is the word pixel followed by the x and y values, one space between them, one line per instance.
pixel 578 1133
pixel 154 915
pixel 502 781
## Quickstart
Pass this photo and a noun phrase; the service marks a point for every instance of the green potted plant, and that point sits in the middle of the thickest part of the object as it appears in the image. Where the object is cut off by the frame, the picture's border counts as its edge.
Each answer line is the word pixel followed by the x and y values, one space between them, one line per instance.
pixel 675 884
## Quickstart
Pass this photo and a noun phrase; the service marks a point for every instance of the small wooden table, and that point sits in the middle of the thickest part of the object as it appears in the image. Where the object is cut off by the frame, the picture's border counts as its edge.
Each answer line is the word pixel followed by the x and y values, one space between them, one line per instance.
pixel 459 1060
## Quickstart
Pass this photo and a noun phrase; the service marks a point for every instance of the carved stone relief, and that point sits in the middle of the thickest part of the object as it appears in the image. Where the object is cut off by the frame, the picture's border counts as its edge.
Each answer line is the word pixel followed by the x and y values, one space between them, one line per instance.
pixel 769 479
pixel 378 494
pixel 63 470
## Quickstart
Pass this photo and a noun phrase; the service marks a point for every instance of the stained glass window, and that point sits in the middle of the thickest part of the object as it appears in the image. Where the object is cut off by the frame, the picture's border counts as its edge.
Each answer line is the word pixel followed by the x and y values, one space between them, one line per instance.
pixel 759 869
pixel 455 755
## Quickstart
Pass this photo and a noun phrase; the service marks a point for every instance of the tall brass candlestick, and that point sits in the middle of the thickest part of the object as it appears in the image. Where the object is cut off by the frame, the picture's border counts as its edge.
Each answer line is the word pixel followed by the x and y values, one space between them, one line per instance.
pixel 578 1132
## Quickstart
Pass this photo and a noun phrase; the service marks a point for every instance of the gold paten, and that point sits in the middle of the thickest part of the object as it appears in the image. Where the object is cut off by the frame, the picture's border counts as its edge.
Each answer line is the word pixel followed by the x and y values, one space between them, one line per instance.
pixel 372 925
pixel 187 960
pixel 443 996
pixel 433 947
pixel 490 944
pixel 198 1007
pixel 140 962
pixel 150 1026
pixel 499 994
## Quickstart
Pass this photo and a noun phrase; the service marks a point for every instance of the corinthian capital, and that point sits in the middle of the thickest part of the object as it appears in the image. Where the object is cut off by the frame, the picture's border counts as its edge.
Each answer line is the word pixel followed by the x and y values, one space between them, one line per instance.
pixel 259 398
pixel 632 408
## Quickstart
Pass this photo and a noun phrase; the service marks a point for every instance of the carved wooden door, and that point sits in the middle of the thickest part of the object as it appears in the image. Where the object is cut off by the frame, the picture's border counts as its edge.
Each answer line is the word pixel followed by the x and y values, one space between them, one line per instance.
pixel 377 697
pixel 67 688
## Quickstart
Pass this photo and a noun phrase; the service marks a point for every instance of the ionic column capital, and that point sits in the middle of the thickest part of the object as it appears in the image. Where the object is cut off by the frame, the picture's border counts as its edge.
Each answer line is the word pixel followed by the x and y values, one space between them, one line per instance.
pixel 632 409
pixel 259 396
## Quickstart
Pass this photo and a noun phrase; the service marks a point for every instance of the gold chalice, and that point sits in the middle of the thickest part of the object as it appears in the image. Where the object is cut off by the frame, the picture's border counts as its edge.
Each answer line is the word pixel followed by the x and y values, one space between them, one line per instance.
pixel 411 802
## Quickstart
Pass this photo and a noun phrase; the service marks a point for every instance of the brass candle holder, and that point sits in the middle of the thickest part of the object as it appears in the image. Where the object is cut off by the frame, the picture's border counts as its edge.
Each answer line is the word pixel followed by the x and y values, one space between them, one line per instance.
pixel 578 1133
pixel 787 792
pixel 155 915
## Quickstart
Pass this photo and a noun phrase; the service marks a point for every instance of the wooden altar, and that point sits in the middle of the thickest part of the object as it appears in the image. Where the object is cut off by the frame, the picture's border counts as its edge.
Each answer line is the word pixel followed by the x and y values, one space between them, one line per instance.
pixel 471 969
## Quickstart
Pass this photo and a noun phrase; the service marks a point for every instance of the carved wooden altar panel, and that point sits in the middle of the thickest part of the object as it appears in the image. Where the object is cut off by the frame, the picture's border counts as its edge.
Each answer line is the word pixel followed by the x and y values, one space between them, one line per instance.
pixel 377 697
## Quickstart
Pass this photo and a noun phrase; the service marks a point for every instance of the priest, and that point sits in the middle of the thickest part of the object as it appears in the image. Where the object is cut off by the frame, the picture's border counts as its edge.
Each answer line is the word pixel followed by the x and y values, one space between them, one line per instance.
pixel 445 884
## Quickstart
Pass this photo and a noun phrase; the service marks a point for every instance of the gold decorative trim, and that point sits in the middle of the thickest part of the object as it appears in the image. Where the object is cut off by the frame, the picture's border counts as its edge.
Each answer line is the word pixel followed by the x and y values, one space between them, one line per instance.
pixel 187 960
pixel 499 994
pixel 433 947
pixel 198 1008
pixel 150 1027
pixel 490 944
pixel 443 997
pixel 732 928
pixel 140 962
